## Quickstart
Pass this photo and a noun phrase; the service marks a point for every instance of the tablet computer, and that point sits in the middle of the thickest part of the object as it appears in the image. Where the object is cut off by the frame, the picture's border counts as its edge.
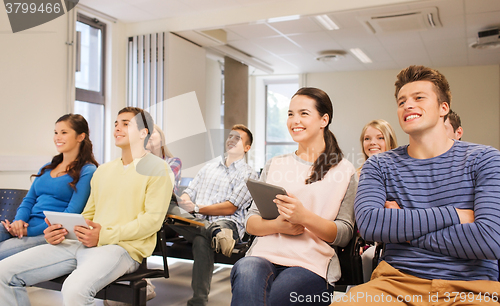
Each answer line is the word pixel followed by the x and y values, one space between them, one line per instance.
pixel 67 220
pixel 263 195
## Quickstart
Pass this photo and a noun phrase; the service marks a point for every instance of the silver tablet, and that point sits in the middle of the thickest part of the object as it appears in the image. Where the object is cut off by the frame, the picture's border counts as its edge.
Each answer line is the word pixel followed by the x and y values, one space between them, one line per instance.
pixel 67 220
pixel 263 195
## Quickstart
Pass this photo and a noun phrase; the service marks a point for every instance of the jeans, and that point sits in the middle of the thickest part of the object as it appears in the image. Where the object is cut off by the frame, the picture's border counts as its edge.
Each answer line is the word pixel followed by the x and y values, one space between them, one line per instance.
pixel 203 254
pixel 257 281
pixel 91 270
pixel 15 245
pixel 4 234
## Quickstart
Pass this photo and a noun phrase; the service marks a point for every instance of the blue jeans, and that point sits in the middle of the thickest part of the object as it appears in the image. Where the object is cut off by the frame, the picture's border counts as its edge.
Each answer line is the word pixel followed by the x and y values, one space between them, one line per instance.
pixel 203 254
pixel 15 245
pixel 257 281
pixel 91 270
pixel 4 234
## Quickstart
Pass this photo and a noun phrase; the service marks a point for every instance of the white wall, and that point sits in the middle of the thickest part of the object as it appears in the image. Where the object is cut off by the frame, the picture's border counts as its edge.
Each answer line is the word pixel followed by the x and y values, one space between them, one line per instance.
pixel 361 96
pixel 185 72
pixel 33 81
pixel 34 86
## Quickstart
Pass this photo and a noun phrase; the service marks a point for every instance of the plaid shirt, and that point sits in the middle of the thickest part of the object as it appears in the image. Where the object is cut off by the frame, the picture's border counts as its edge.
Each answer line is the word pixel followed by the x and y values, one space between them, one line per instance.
pixel 176 165
pixel 217 183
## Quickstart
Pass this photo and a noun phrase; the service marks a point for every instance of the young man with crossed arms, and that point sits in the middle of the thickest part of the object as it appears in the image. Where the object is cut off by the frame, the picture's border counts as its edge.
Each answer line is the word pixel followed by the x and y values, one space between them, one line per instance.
pixel 435 203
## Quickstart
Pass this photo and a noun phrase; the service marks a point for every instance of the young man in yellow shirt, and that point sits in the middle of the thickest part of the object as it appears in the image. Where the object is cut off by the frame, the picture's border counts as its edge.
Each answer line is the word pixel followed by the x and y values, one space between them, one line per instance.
pixel 126 207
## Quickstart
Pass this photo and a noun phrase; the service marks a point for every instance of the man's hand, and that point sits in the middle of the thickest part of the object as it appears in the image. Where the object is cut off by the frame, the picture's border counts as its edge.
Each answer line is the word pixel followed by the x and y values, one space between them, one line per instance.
pixel 89 237
pixel 17 228
pixel 54 234
pixel 285 227
pixel 465 215
pixel 187 205
pixel 392 204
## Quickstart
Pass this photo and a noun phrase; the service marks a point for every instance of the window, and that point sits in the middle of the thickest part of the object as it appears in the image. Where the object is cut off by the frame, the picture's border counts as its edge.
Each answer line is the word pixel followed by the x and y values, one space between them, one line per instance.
pixel 89 78
pixel 278 139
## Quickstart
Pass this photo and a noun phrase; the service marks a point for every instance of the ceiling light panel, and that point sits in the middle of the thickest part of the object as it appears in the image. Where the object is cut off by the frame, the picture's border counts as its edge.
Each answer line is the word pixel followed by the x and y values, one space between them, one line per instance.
pixel 326 22
pixel 284 18
pixel 360 55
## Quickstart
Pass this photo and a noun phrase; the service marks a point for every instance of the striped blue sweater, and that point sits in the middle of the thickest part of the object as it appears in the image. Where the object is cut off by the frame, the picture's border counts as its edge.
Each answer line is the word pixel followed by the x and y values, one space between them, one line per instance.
pixel 425 237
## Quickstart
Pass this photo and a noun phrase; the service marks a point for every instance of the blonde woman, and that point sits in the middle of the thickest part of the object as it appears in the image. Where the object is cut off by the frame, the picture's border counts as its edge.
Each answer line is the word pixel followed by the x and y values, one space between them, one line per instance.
pixel 376 137
pixel 157 146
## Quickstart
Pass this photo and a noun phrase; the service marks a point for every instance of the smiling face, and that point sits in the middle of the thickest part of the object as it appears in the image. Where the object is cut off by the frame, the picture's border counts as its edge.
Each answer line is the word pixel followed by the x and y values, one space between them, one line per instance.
pixel 373 141
pixel 418 108
pixel 121 130
pixel 237 142
pixel 66 139
pixel 304 121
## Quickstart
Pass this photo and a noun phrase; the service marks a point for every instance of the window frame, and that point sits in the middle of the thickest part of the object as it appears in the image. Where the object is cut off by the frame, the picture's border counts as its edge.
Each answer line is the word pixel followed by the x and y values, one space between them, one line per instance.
pixel 90 96
pixel 266 87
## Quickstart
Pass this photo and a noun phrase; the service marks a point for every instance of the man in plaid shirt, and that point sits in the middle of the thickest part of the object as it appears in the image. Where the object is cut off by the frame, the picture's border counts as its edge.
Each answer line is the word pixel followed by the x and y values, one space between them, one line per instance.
pixel 219 197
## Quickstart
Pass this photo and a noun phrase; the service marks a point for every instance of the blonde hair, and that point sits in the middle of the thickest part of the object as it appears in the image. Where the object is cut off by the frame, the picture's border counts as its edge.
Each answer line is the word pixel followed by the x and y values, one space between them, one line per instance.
pixel 164 150
pixel 383 126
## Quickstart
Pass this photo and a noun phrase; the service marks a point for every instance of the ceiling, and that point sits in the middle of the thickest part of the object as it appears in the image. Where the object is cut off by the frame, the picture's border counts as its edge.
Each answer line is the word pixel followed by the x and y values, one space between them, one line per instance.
pixel 293 46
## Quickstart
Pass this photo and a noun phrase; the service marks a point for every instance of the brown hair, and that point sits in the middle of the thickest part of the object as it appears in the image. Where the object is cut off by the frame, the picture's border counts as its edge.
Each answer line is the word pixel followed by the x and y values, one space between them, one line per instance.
pixel 385 128
pixel 421 73
pixel 454 120
pixel 243 128
pixel 332 154
pixel 85 154
pixel 145 121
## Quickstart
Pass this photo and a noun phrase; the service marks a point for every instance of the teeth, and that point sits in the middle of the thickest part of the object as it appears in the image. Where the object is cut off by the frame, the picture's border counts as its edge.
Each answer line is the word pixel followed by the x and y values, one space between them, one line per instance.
pixel 411 117
pixel 297 129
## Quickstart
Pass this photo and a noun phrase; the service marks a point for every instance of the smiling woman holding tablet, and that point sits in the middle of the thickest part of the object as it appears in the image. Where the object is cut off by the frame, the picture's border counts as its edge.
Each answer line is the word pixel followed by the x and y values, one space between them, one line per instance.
pixel 292 254
pixel 62 185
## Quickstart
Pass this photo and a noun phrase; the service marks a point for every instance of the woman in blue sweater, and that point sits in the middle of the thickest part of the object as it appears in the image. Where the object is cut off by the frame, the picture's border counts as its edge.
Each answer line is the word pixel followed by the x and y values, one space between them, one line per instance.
pixel 62 185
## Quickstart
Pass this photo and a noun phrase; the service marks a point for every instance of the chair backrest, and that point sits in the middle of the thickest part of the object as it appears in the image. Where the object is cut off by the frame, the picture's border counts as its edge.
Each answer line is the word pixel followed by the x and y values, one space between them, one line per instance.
pixel 10 199
pixel 350 261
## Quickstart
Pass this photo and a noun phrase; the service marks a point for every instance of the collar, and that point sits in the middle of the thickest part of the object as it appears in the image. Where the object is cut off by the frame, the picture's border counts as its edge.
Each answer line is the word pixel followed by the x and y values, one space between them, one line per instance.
pixel 236 164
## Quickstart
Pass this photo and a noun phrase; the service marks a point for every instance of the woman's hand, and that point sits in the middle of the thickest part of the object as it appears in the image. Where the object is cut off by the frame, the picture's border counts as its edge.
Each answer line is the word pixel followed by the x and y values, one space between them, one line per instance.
pixel 54 234
pixel 291 208
pixel 17 228
pixel 285 227
pixel 8 227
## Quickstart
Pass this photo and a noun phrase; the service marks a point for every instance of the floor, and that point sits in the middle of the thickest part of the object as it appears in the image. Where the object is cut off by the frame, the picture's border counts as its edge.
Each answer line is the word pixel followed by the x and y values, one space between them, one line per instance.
pixel 175 290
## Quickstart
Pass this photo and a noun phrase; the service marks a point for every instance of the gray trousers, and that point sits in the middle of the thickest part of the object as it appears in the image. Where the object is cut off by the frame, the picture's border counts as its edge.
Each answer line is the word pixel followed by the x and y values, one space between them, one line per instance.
pixel 203 254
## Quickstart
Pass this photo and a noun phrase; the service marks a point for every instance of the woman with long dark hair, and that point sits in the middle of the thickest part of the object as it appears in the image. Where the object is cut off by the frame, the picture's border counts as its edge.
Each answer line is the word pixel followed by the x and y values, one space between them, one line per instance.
pixel 292 256
pixel 62 185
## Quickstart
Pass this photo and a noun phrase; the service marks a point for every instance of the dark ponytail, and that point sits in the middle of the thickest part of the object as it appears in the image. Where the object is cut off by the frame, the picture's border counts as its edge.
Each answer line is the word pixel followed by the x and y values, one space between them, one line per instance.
pixel 332 154
pixel 85 153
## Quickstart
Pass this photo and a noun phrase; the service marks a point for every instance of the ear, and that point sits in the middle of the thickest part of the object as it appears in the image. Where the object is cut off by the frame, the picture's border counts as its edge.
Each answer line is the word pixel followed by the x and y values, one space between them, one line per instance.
pixel 444 109
pixel 144 133
pixel 459 132
pixel 324 120
pixel 246 148
pixel 80 137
